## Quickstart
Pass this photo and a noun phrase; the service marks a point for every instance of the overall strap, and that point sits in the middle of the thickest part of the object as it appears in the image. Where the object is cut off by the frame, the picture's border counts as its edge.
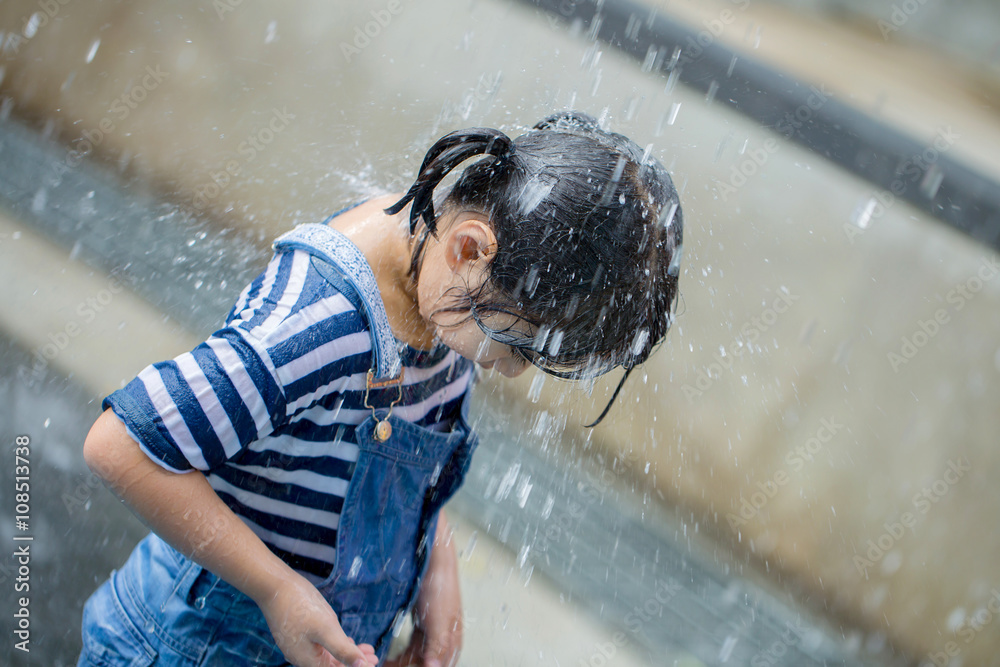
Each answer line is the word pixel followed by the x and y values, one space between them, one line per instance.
pixel 345 266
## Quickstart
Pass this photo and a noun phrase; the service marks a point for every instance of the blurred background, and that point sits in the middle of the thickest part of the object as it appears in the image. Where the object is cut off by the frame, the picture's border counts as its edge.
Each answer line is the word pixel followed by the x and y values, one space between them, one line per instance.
pixel 803 474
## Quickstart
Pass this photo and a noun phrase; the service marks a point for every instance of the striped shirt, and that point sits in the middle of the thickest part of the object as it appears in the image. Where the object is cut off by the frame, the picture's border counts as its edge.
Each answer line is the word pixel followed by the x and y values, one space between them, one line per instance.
pixel 268 405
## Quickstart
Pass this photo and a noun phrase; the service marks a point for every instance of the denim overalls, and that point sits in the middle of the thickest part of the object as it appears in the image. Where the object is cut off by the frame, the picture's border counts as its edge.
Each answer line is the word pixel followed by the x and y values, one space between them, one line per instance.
pixel 162 608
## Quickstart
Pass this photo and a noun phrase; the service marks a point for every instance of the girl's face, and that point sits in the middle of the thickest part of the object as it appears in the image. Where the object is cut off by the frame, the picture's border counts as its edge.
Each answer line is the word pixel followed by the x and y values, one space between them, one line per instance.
pixel 468 340
pixel 458 263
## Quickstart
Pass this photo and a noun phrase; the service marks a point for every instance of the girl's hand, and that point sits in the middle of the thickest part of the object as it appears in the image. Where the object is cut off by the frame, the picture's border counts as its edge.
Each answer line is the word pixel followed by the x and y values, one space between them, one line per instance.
pixel 186 512
pixel 307 631
pixel 437 633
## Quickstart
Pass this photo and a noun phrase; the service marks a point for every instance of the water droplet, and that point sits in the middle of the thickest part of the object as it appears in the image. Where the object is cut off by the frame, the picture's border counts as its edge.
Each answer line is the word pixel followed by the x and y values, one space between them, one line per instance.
pixel 892 562
pixel 931 181
pixel 651 53
pixel 471 545
pixel 956 618
pixel 862 216
pixel 591 57
pixel 671 80
pixel 507 483
pixel 31 27
pixel 597 84
pixel 535 388
pixel 540 337
pixel 523 491
pixel 522 555
pixel 712 89
pixel 674 110
pixel 727 648
pixel 550 502
pixel 39 201
pixel 646 153
pixel 93 51
pixel 534 192
pixel 272 31
pixel 640 341
pixel 555 343
pixel 483 348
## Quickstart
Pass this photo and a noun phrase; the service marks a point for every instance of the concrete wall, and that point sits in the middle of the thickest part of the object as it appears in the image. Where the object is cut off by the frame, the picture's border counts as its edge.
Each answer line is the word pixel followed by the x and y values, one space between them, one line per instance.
pixel 806 416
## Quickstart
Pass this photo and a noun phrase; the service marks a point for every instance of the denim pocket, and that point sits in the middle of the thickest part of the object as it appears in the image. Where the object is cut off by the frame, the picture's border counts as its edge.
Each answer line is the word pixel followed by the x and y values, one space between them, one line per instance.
pixel 389 503
pixel 399 537
pixel 110 638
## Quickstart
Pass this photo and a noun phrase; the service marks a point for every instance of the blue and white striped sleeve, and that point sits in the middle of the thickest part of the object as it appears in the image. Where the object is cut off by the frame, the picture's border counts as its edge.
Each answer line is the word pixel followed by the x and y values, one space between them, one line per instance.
pixel 205 406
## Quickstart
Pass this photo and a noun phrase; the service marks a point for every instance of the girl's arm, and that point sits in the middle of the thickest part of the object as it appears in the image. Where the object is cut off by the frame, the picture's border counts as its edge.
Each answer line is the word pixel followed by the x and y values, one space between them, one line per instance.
pixel 185 511
pixel 437 637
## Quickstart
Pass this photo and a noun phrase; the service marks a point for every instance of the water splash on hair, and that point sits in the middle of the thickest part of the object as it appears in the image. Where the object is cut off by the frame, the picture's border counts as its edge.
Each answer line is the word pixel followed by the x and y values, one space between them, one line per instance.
pixel 534 192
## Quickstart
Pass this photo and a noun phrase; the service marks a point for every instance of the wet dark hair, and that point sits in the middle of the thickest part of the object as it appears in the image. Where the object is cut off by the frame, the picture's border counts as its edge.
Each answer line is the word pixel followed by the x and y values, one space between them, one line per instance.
pixel 589 235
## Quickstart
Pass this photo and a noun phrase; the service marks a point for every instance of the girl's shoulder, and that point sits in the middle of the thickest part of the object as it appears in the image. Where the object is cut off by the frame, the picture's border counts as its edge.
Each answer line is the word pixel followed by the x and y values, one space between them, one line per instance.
pixel 291 298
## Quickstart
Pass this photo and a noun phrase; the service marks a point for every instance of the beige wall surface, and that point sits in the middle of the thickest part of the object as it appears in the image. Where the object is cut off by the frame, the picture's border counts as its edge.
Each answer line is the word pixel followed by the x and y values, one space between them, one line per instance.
pixel 826 404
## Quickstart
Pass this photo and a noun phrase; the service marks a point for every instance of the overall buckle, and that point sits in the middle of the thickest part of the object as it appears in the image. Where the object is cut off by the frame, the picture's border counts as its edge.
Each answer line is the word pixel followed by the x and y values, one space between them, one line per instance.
pixel 383 429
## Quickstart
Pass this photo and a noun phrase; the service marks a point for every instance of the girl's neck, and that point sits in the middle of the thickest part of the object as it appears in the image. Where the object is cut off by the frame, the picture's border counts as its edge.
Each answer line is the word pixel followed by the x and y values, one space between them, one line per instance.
pixel 385 242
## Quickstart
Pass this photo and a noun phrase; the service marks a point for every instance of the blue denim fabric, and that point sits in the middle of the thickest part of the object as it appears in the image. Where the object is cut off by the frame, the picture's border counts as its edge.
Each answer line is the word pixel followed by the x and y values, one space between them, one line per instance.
pixel 389 520
pixel 163 609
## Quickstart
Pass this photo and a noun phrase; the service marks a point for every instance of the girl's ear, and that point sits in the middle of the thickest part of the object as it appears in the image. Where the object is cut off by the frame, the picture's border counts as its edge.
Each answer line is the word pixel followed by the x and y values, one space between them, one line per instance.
pixel 469 241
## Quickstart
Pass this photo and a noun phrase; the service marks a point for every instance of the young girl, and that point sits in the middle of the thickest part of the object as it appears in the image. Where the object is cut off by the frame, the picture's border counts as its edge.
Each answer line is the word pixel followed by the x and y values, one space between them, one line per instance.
pixel 293 466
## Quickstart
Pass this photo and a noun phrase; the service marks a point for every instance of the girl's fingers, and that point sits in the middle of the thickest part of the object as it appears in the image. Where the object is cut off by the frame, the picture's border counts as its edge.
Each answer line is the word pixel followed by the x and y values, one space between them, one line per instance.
pixel 369 652
pixel 409 657
pixel 344 649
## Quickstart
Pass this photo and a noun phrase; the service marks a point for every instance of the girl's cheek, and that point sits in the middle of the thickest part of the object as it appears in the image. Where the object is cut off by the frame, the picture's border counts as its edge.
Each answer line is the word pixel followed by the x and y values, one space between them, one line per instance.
pixel 511 367
pixel 483 351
